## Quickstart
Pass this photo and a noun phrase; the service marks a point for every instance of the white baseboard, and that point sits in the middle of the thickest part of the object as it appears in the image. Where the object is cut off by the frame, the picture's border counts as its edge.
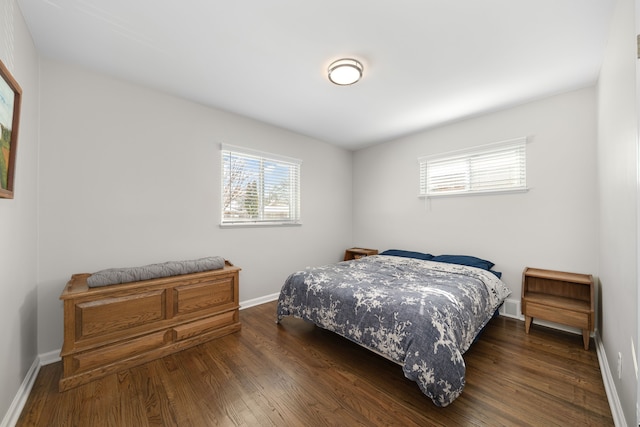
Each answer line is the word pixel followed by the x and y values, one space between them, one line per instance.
pixel 609 385
pixel 11 417
pixel 51 357
pixel 258 301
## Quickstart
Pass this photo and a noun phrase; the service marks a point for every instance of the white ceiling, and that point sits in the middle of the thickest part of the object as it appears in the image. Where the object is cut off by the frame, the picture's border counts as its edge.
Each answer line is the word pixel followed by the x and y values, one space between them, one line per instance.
pixel 426 62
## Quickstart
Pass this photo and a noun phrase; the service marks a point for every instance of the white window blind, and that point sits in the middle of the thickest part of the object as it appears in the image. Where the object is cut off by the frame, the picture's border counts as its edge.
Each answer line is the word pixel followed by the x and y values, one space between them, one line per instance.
pixel 259 188
pixel 498 167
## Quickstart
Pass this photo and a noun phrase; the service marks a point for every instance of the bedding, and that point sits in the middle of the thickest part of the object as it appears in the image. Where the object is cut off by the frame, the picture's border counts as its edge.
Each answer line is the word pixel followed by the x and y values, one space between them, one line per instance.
pixel 418 313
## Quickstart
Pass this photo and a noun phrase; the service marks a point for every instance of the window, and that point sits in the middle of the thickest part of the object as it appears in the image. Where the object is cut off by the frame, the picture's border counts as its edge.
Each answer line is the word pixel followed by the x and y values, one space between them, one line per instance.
pixel 259 188
pixel 490 168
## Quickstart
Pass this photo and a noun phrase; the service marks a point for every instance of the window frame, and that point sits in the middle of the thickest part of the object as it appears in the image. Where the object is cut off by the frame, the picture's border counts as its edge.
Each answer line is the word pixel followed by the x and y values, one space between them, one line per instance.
pixel 263 161
pixel 467 162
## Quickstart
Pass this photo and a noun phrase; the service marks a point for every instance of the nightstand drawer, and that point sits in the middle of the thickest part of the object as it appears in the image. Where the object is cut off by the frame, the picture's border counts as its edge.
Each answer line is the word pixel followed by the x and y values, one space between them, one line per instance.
pixel 553 314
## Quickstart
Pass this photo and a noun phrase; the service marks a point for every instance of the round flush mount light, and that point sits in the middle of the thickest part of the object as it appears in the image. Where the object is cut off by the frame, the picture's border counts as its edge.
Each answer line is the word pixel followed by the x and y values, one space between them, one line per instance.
pixel 345 72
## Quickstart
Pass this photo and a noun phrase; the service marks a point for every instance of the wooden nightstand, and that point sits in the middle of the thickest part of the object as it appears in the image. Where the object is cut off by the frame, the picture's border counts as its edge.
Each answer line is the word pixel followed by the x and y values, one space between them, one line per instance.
pixel 560 297
pixel 357 253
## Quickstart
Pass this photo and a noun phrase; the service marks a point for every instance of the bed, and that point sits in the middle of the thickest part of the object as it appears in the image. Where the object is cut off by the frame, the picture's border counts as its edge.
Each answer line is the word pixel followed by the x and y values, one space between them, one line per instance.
pixel 418 310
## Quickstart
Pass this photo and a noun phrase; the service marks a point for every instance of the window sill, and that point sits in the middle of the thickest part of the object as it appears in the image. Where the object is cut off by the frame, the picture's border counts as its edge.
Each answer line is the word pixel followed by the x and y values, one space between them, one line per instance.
pixel 260 224
pixel 474 193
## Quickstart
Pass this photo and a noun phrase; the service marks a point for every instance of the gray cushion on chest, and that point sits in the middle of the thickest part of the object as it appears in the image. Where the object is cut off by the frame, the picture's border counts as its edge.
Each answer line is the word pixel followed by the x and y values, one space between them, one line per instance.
pixel 114 276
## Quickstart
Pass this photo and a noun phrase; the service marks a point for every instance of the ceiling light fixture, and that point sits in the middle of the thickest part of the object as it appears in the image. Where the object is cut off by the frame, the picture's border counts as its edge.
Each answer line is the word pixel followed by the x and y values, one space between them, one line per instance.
pixel 345 72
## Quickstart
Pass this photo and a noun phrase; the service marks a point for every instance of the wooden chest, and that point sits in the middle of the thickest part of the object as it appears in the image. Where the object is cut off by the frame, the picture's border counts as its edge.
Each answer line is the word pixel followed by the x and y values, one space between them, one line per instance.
pixel 115 327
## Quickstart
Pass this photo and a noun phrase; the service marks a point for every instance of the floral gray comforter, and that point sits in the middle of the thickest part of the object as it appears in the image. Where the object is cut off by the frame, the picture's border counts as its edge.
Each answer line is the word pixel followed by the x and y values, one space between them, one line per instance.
pixel 421 314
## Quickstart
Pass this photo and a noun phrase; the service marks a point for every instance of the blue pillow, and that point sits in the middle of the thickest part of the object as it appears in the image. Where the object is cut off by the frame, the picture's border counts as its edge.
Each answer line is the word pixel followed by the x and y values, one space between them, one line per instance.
pixel 407 254
pixel 498 274
pixel 471 261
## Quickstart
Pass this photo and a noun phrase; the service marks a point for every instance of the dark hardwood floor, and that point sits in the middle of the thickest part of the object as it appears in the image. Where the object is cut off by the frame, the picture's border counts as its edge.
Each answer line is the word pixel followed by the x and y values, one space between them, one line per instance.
pixel 295 374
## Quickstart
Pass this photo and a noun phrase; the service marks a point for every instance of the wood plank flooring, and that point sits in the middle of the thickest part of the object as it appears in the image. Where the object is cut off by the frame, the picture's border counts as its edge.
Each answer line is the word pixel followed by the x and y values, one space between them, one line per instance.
pixel 295 374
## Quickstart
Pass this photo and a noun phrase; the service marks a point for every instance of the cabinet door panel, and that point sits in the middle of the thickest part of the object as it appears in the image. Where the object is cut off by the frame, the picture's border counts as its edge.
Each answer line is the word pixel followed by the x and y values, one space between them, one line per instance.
pixel 109 315
pixel 204 296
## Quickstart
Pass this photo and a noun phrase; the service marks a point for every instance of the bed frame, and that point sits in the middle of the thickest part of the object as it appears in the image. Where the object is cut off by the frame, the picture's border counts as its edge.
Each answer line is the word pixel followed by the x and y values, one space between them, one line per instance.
pixel 111 328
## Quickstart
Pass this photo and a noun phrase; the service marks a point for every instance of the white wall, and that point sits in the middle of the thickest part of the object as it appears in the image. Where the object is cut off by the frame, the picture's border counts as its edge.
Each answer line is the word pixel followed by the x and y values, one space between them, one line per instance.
pixel 18 238
pixel 130 176
pixel 552 226
pixel 618 198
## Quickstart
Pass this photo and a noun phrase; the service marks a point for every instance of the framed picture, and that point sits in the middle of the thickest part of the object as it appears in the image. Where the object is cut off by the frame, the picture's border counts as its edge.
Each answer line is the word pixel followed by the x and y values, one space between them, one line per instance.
pixel 10 101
